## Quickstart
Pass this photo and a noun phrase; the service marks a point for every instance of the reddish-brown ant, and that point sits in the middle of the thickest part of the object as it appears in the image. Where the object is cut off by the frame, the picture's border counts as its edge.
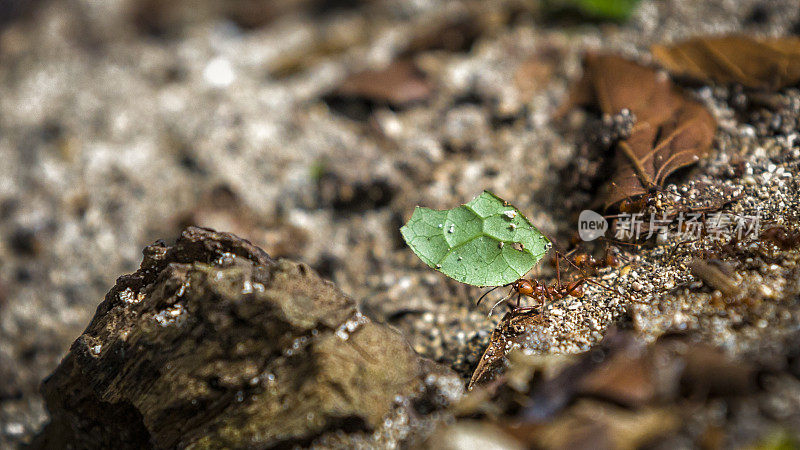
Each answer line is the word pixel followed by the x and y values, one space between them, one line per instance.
pixel 635 204
pixel 782 237
pixel 587 262
pixel 584 260
pixel 540 291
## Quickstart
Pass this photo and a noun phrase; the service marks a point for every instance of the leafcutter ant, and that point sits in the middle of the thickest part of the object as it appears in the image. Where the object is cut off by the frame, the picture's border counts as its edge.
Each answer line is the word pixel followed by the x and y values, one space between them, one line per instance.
pixel 540 292
pixel 587 263
pixel 782 237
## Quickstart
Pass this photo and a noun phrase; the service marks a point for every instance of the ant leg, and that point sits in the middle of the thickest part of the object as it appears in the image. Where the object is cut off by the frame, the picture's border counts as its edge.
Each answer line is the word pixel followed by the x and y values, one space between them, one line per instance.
pixel 597 283
pixel 548 295
pixel 558 270
pixel 572 264
pixel 637 300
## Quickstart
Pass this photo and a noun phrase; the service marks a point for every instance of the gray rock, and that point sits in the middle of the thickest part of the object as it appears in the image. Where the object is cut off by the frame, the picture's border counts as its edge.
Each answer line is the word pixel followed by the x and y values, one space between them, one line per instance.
pixel 213 344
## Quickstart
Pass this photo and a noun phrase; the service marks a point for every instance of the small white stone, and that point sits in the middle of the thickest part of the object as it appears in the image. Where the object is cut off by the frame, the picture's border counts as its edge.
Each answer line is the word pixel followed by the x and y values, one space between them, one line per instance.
pixel 219 73
pixel 341 334
pixel 14 429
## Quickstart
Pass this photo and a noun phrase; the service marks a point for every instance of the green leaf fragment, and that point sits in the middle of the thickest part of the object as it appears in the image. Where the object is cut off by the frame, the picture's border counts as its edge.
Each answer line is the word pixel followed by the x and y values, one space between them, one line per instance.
pixel 611 10
pixel 486 242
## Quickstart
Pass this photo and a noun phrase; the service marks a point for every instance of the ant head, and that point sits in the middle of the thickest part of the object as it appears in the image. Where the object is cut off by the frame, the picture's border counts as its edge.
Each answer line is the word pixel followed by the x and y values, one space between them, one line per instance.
pixel 582 259
pixel 625 206
pixel 524 287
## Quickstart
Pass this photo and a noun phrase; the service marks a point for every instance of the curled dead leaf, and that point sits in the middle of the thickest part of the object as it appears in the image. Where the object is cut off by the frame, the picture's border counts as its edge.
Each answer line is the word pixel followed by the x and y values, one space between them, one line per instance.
pixel 670 129
pixel 515 330
pixel 759 63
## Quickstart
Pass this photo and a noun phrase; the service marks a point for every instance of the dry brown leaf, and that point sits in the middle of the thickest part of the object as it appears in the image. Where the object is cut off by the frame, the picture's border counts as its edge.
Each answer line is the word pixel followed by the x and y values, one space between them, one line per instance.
pixel 457 29
pixel 620 369
pixel 709 372
pixel 398 84
pixel 453 34
pixel 592 424
pixel 671 131
pixel 514 330
pixel 627 378
pixel 771 63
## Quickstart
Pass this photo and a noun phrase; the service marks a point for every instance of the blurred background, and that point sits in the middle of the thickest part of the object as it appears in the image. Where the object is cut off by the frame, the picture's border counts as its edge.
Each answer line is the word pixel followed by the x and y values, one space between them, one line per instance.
pixel 309 127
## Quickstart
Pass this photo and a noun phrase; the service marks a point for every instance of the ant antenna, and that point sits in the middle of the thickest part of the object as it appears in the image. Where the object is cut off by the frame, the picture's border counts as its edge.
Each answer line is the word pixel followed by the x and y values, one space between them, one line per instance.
pixel 675 247
pixel 618 242
pixel 570 252
pixel 510 294
pixel 487 293
pixel 564 256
